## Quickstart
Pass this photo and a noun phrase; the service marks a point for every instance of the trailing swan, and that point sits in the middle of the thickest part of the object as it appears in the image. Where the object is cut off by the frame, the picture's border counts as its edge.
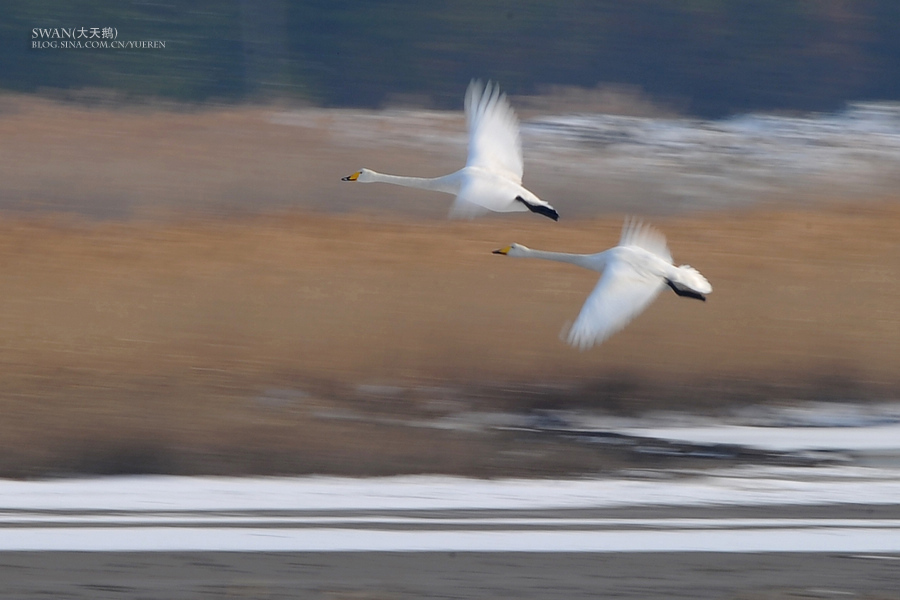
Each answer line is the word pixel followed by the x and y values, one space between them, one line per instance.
pixel 634 272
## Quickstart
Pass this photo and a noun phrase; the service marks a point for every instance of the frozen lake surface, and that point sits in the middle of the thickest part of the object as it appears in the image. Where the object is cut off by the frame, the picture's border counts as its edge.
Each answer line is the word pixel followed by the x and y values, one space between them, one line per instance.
pixel 425 514
pixel 834 507
pixel 751 486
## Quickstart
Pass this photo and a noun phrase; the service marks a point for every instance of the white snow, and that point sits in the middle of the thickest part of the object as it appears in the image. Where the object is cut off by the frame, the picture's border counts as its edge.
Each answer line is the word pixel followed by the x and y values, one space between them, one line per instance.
pixel 744 487
pixel 326 514
pixel 334 514
pixel 365 540
pixel 880 438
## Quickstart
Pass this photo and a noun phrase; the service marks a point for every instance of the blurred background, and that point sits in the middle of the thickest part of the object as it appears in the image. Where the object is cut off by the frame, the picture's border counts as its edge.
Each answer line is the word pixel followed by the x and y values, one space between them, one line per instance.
pixel 705 57
pixel 190 288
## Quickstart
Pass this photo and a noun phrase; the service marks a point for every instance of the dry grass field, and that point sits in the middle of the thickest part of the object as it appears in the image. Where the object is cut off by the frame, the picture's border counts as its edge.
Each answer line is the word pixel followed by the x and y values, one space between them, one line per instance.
pixel 180 331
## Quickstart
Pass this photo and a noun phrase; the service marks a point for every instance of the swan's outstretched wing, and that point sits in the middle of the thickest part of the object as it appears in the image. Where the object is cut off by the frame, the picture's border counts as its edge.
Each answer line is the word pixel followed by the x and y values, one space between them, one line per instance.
pixel 493 131
pixel 621 294
pixel 636 233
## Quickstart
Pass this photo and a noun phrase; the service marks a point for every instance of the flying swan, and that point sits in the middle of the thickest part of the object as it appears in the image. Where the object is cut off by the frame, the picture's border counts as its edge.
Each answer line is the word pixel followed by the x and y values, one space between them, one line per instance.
pixel 634 272
pixel 492 177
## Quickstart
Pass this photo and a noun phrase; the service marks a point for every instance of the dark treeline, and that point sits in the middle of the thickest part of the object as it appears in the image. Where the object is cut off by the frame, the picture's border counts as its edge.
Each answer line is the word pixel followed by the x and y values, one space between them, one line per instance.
pixel 708 57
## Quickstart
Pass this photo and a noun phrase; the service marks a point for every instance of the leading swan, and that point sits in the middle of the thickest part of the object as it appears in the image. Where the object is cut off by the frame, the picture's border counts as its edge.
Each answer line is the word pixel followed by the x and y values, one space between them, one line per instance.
pixel 492 177
pixel 634 272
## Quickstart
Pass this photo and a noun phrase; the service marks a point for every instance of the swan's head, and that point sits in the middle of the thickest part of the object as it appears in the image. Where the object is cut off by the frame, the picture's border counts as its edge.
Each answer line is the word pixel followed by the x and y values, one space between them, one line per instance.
pixel 363 176
pixel 512 250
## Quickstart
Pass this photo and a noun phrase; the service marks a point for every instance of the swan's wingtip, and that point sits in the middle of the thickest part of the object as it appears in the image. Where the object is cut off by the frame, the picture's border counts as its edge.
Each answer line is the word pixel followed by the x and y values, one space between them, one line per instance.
pixel 548 211
pixel 541 209
pixel 686 292
pixel 580 341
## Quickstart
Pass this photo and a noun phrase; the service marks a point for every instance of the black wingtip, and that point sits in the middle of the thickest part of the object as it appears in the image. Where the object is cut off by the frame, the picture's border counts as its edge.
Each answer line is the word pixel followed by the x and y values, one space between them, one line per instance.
pixel 540 209
pixel 685 292
pixel 546 211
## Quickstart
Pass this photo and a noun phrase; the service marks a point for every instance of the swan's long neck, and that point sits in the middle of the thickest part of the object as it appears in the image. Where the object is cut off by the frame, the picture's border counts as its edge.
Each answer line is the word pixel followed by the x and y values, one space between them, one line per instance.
pixel 588 261
pixel 448 183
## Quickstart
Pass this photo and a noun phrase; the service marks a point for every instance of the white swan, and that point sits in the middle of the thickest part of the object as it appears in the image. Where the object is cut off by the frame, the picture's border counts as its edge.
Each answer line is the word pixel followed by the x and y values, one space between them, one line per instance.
pixel 492 177
pixel 634 272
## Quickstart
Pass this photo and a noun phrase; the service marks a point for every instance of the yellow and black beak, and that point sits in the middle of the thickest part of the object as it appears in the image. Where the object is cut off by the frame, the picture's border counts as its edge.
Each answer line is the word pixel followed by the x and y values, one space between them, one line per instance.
pixel 504 251
pixel 353 177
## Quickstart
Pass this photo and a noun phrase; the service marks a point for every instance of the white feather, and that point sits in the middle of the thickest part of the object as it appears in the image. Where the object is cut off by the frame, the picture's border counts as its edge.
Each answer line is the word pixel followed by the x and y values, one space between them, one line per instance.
pixel 621 294
pixel 494 142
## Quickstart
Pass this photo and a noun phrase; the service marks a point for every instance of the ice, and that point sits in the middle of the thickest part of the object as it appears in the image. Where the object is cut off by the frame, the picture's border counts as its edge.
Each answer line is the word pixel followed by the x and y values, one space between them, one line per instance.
pixel 350 540
pixel 745 487
pixel 786 439
pixel 321 514
pixel 436 513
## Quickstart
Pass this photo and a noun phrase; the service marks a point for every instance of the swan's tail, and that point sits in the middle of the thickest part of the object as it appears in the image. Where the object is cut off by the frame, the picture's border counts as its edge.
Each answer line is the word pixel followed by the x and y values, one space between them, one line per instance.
pixel 687 281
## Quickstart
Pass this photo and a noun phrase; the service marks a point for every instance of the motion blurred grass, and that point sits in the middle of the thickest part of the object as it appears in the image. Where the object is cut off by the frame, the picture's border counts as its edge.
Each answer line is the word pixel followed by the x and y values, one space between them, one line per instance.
pixel 232 338
pixel 289 343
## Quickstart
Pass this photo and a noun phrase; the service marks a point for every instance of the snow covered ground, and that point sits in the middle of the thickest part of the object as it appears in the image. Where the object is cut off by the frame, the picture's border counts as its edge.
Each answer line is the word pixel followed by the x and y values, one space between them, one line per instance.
pixel 638 511
pixel 867 537
pixel 859 433
pixel 749 486
pixel 423 513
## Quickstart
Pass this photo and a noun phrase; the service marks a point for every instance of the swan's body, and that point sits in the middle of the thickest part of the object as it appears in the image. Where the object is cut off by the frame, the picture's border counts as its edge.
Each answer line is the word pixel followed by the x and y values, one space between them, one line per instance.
pixel 492 177
pixel 634 272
